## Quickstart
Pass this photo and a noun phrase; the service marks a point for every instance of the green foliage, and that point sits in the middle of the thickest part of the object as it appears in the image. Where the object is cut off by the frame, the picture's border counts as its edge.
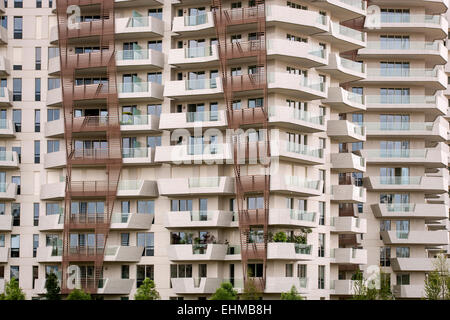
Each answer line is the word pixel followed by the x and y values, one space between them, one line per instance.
pixel 13 291
pixel 437 282
pixel 250 292
pixel 78 294
pixel 364 291
pixel 225 292
pixel 52 287
pixel 291 295
pixel 280 236
pixel 147 291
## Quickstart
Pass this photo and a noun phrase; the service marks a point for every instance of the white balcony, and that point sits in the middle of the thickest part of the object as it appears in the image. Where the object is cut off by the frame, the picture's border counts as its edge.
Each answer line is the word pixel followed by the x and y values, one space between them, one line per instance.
pixel 343 287
pixel 5 66
pixel 292 118
pixel 8 191
pixel 197 25
pixel 197 252
pixel 53 222
pixel 138 27
pixel 348 193
pixel 195 285
pixel 148 59
pixel 284 284
pixel 2 285
pixel 53 191
pixel 132 221
pixel 434 105
pixel 429 5
pixel 4 254
pixel 189 154
pixel 431 238
pixel 49 254
pixel 295 152
pixel 407 184
pixel 294 185
pixel 345 131
pixel 342 9
pixel 412 264
pixel 139 123
pixel 297 52
pixel 137 188
pixel 430 157
pixel 343 38
pixel 5 222
pixel 189 120
pixel 196 186
pixel 123 253
pixel 9 160
pixel 138 156
pixel 205 56
pixel 348 225
pixel 116 286
pixel 296 86
pixel 293 218
pixel 345 101
pixel 410 210
pixel 198 219
pixel 140 92
pixel 54 66
pixel 55 160
pixel 409 291
pixel 136 3
pixel 5 97
pixel 344 70
pixel 348 256
pixel 54 97
pixel 54 129
pixel 194 89
pixel 289 251
pixel 3 35
pixel 347 162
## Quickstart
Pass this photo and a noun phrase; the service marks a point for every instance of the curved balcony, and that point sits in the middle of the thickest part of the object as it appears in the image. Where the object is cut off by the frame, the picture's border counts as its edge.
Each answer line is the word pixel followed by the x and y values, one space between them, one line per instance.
pixel 296 152
pixel 194 154
pixel 8 191
pixel 138 27
pixel 436 6
pixel 196 186
pixel 54 97
pixel 348 256
pixel 140 92
pixel 345 101
pixel 54 129
pixel 431 238
pixel 303 21
pixel 197 252
pixel 284 284
pixel 206 56
pixel 435 105
pixel 138 156
pixel 123 253
pixel 347 162
pixel 53 191
pixel 412 264
pixel 52 222
pixel 345 131
pixel 137 189
pixel 430 157
pixel 296 85
pixel 5 222
pixel 348 193
pixel 5 97
pixel 344 70
pixel 410 210
pixel 348 225
pixel 9 160
pixel 343 38
pixel 432 26
pixel 296 186
pixel 198 219
pixel 342 9
pixel 432 79
pixel 139 60
pixel 55 160
pixel 289 251
pixel 194 89
pixel 202 24
pixel 407 184
pixel 190 120
pixel 132 221
pixel 297 52
pixel 293 218
pixel 292 118
pixel 435 53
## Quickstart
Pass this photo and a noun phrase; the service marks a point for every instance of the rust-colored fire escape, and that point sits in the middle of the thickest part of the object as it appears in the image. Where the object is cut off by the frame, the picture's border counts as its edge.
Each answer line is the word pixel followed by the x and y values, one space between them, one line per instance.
pixel 234 86
pixel 108 127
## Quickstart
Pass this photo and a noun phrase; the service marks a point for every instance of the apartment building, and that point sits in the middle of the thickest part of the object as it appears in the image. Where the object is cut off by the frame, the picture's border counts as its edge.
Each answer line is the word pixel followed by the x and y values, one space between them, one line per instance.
pixel 133 172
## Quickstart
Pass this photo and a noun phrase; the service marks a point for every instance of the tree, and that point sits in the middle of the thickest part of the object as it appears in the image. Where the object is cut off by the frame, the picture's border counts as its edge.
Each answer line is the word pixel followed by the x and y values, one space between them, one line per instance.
pixel 147 291
pixel 369 291
pixel 437 282
pixel 225 292
pixel 78 294
pixel 250 292
pixel 13 291
pixel 52 287
pixel 291 295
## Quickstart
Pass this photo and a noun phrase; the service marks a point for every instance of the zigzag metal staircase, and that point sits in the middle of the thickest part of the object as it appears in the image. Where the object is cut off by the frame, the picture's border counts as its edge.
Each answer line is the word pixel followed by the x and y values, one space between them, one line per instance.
pixel 235 86
pixel 111 159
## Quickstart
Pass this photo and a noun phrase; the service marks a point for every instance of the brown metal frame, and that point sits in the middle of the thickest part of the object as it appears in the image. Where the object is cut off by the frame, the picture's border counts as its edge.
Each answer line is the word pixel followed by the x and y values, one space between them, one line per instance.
pixel 112 158
pixel 257 117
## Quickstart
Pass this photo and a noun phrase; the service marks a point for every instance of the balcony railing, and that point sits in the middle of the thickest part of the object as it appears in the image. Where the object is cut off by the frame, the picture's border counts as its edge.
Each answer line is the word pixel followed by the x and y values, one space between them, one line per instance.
pixel 198 52
pixel 400 99
pixel 402 153
pixel 303 215
pixel 400 180
pixel 352 65
pixel 134 152
pixel 137 54
pixel 133 87
pixel 354 3
pixel 195 20
pixel 399 126
pixel 400 207
pixel 303 149
pixel 349 32
pixel 303 248
pixel 198 84
pixel 302 183
pixel 410 18
pixel 402 45
pixel 402 72
pixel 202 116
pixel 298 115
pixel 204 182
pixel 6 155
pixel 402 234
pixel 130 184
pixel 134 119
pixel 234 249
pixel 137 22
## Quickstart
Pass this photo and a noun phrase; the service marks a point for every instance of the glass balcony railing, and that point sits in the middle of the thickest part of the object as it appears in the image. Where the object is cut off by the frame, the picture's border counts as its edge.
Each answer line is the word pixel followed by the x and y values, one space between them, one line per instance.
pixel 133 87
pixel 201 216
pixel 352 65
pixel 4 124
pixel 399 126
pixel 204 182
pixel 111 250
pixel 303 248
pixel 137 22
pixel 6 156
pixel 297 114
pixel 400 207
pixel 358 129
pixel 234 249
pixel 359 4
pixel 303 150
pixel 400 180
pixel 355 97
pixel 301 80
pixel 195 20
pixel 202 116
pixel 135 152
pixel 198 52
pixel 132 55
pixel 402 44
pixel 204 149
pixel 199 248
pixel 3 91
pixel 130 184
pixel 135 120
pixel 302 215
pixel 349 32
pixel 402 72
pixel 57 251
pixel 120 217
pixel 402 234
pixel 301 182
pixel 400 99
pixel 402 153
pixel 409 18
pixel 198 84
pixel 318 52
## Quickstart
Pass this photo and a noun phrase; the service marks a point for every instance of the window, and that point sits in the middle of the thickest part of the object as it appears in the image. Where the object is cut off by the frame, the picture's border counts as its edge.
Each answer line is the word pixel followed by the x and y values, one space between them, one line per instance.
pixel 154 141
pixel 255 270
pixel 15 212
pixel 52 146
pixel 2 208
pixel 18 4
pixel 301 271
pixel 125 271
pixel 289 270
pixel 35 244
pixel 15 246
pixel 2 240
pixel 146 240
pixel 14 272
pixel 35 214
pixel 403 279
pixel 322 213
pixel 202 270
pixel 156 13
pixel 181 205
pixel 54 83
pixel 17 89
pixel 52 208
pixel 37 120
pixel 321 251
pixel 38 3
pixel 4 21
pixel 154 109
pixel 53 114
pixel 385 256
pixel 144 271
pixel 37 151
pixel 37 89
pixel 125 239
pixel 155 45
pixel 155 77
pixel 402 252
pixel 18 26
pixel 321 277
pixel 35 275
pixel 146 206
pixel 19 153
pixel 181 271
pixel 38 58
